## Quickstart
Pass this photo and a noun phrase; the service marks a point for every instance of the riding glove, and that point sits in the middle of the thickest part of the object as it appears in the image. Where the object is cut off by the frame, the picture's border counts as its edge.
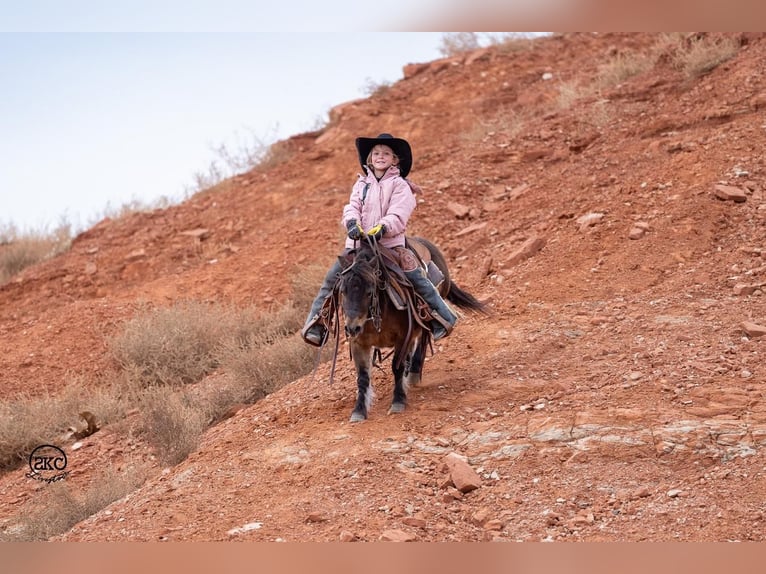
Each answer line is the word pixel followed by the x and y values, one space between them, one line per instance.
pixel 377 232
pixel 354 230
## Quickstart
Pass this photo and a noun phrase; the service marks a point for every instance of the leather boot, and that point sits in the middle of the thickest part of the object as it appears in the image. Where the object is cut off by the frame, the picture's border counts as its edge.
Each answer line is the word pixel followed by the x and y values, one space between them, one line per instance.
pixel 424 287
pixel 314 332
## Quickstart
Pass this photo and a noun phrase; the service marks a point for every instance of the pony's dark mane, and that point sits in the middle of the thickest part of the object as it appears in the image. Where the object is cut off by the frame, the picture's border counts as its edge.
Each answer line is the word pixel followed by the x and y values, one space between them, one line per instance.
pixel 363 268
pixel 367 267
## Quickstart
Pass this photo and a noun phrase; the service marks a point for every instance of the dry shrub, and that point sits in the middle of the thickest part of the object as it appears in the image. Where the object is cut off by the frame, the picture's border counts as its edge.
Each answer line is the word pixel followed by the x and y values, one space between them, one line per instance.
pixel 252 372
pixel 276 154
pixel 454 43
pixel 60 507
pixel 260 369
pixel 128 208
pixel 372 88
pixel 174 345
pixel 171 346
pixel 266 327
pixel 29 421
pixel 21 250
pixel 305 285
pixel 622 67
pixel 172 424
pixel 184 343
pixel 509 123
pixel 477 132
pixel 667 43
pixel 599 115
pixel 703 55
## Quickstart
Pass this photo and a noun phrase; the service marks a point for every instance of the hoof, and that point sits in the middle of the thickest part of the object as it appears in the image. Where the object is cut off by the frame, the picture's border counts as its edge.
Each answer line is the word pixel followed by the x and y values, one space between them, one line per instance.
pixel 357 417
pixel 413 379
pixel 396 408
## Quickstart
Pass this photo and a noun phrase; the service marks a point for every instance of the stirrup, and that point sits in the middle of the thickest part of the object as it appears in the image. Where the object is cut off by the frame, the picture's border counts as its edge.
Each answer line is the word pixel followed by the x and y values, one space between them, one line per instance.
pixel 315 333
pixel 440 326
pixel 438 331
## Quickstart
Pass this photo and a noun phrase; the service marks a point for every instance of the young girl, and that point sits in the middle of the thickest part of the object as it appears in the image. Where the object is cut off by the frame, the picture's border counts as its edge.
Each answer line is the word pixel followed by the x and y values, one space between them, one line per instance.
pixel 380 205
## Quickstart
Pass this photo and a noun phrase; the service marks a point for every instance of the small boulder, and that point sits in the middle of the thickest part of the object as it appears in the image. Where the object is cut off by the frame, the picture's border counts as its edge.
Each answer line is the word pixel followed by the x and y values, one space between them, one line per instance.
pixel 463 476
pixel 730 193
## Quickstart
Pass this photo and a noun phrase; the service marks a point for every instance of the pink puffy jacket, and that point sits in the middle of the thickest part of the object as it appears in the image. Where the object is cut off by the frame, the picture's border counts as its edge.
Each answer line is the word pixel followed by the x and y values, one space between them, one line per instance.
pixel 389 201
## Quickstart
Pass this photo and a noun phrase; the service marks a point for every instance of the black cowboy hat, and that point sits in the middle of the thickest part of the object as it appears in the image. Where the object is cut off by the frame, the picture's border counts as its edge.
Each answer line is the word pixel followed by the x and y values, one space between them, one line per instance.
pixel 401 149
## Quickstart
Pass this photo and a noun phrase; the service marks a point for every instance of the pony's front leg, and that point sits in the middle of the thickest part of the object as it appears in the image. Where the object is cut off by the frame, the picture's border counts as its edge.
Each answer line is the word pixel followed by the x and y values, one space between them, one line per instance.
pixel 364 393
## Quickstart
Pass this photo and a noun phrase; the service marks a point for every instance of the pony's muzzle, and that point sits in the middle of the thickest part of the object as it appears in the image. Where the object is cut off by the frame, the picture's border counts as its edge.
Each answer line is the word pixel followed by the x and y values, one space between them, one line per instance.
pixel 353 330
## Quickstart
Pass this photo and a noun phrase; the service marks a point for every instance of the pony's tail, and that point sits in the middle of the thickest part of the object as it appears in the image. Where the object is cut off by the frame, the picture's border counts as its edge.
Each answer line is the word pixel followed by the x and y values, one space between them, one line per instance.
pixel 455 295
pixel 465 300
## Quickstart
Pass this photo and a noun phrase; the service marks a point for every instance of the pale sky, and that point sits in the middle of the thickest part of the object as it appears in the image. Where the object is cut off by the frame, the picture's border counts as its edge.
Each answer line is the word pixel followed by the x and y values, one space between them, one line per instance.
pixel 96 120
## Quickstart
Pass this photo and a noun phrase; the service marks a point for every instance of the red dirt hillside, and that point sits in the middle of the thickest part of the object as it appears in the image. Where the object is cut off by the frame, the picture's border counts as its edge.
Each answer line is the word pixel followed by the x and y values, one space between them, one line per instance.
pixel 605 192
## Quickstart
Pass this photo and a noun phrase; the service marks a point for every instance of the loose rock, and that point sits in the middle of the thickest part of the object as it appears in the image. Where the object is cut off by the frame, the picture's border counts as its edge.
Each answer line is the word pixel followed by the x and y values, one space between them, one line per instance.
pixel 753 329
pixel 730 193
pixel 463 476
pixel 397 536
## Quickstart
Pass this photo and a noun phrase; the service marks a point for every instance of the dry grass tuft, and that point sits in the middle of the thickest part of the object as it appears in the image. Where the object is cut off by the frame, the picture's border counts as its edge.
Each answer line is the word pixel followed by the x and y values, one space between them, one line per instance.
pixel 454 43
pixel 184 343
pixel 703 55
pixel 172 423
pixel 512 41
pixel 180 345
pixel 250 151
pixel 276 154
pixel 128 208
pixel 305 283
pixel 372 88
pixel 19 250
pixel 172 346
pixel 623 67
pixel 61 508
pixel 695 54
pixel 27 422
pixel 260 369
pixel 569 93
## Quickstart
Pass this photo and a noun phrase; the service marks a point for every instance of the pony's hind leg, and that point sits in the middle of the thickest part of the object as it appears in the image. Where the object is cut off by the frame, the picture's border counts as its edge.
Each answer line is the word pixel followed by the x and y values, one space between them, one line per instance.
pixel 415 363
pixel 364 394
pixel 400 384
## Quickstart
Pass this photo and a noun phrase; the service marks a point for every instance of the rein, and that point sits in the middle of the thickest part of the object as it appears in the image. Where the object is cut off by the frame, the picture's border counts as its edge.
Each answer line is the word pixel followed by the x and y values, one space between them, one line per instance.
pixel 382 277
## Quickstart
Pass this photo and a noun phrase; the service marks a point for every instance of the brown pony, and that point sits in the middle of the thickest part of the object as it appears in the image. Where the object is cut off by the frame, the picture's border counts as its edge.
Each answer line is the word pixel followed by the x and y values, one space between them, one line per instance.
pixel 373 321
